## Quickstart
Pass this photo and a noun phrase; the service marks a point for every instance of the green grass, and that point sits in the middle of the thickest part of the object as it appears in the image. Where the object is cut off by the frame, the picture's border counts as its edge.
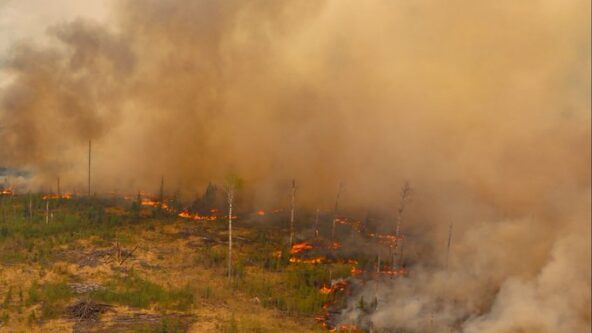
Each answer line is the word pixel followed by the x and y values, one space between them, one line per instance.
pixel 134 291
pixel 26 239
pixel 211 257
pixel 53 298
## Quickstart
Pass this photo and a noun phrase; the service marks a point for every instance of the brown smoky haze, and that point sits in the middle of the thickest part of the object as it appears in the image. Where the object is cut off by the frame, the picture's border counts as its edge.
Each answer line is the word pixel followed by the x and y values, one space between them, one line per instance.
pixel 482 106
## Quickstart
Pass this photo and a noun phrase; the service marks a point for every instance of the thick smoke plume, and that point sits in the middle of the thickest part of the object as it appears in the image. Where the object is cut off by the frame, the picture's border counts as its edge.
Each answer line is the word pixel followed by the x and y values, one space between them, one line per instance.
pixel 483 106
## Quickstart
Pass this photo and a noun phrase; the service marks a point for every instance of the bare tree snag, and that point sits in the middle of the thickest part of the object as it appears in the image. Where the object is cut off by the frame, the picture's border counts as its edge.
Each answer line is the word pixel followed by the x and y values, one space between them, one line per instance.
pixel 30 207
pixel 89 163
pixel 161 193
pixel 47 211
pixel 336 210
pixel 316 223
pixel 232 184
pixel 405 193
pixel 448 246
pixel 230 197
pixel 404 197
pixel 293 200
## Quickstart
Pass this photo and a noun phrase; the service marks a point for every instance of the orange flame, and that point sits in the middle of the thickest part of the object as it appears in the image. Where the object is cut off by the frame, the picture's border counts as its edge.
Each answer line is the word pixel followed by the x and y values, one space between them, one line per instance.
pixel 385 238
pixel 316 260
pixel 355 271
pixel 187 215
pixel 58 196
pixel 149 202
pixel 299 247
pixel 6 191
pixel 325 290
pixel 395 272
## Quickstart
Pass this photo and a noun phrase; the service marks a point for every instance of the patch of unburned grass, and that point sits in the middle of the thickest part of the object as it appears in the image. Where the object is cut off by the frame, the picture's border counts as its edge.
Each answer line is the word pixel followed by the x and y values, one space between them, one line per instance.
pixel 134 291
pixel 53 298
pixel 211 257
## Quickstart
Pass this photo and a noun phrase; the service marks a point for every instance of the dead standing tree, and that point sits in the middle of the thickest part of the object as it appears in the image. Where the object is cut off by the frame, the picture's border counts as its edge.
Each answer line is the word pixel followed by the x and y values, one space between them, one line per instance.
pixel 448 245
pixel 89 163
pixel 293 203
pixel 233 183
pixel 336 210
pixel 161 193
pixel 316 223
pixel 404 198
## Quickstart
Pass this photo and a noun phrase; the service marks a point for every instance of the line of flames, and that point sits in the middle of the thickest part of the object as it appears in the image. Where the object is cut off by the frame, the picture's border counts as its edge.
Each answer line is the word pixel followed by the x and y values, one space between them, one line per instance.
pixel 66 196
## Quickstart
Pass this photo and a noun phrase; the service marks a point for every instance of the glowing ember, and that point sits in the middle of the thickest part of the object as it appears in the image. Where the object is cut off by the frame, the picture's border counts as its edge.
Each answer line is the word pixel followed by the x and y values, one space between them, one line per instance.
pixel 335 245
pixel 261 212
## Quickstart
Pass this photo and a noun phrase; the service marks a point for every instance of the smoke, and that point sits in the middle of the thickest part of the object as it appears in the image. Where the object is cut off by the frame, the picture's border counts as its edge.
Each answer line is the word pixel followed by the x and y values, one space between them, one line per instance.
pixel 483 106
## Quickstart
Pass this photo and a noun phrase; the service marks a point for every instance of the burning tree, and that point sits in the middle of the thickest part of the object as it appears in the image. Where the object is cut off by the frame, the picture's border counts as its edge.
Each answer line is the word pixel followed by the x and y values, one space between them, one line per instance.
pixel 232 184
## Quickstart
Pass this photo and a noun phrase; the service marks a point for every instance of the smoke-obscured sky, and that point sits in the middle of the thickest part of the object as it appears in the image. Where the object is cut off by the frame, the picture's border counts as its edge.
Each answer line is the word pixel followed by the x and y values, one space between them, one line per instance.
pixel 484 106
pixel 27 20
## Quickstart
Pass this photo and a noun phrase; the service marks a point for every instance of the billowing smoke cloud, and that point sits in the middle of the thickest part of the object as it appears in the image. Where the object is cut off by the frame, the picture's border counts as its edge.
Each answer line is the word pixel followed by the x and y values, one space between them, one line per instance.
pixel 483 106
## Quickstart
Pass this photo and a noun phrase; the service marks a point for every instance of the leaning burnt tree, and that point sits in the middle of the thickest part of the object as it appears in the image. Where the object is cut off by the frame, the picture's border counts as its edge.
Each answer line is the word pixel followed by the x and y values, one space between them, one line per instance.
pixel 232 184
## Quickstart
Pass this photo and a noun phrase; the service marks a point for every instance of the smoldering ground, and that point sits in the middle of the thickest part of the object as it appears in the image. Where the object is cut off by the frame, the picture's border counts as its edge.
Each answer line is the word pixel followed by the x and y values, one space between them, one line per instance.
pixel 483 107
